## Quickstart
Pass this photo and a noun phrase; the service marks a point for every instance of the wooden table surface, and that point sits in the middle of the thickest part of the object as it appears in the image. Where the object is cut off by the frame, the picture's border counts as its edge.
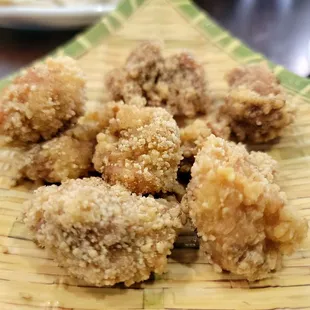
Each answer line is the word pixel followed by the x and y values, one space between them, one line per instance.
pixel 280 29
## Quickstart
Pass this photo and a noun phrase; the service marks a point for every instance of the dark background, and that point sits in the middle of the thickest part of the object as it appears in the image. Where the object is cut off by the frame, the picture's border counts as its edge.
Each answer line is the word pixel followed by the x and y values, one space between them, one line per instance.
pixel 280 29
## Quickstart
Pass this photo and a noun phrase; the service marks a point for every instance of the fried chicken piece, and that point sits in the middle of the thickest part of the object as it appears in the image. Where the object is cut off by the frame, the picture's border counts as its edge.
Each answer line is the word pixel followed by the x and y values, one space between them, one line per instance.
pixel 140 149
pixel 195 133
pixel 176 83
pixel 121 86
pixel 69 156
pixel 193 136
pixel 139 74
pixel 242 217
pixel 103 234
pixel 98 119
pixel 144 63
pixel 59 159
pixel 181 86
pixel 44 100
pixel 256 104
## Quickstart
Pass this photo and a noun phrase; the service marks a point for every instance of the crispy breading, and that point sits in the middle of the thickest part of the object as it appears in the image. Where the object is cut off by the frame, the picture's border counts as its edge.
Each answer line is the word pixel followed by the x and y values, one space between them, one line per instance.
pixel 242 217
pixel 193 137
pixel 181 86
pixel 44 100
pixel 139 74
pixel 69 155
pixel 59 159
pixel 256 104
pixel 258 78
pixel 196 131
pixel 264 163
pixel 140 149
pixel 176 83
pixel 103 234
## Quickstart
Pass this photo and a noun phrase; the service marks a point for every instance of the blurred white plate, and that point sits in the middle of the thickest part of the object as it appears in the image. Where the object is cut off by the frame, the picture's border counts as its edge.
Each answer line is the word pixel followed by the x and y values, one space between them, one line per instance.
pixel 53 17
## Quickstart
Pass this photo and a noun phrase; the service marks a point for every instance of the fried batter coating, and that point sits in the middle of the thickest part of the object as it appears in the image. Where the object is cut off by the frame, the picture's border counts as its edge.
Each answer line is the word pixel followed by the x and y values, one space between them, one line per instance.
pixel 195 133
pixel 98 119
pixel 103 234
pixel 218 122
pixel 69 156
pixel 139 74
pixel 59 159
pixel 193 136
pixel 256 104
pixel 121 86
pixel 44 100
pixel 181 86
pixel 176 83
pixel 242 218
pixel 144 63
pixel 258 78
pixel 140 149
pixel 264 163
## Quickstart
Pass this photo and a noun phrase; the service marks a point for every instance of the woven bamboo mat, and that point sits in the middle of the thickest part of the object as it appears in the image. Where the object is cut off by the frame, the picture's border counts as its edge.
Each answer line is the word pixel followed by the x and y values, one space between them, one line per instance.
pixel 29 279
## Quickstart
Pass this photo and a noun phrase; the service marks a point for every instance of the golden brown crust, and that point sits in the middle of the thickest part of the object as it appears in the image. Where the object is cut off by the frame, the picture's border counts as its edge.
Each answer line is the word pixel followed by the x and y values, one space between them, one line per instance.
pixel 98 119
pixel 196 131
pixel 256 104
pixel 176 83
pixel 193 136
pixel 44 100
pixel 241 216
pixel 140 149
pixel 59 159
pixel 103 234
pixel 69 156
pixel 264 163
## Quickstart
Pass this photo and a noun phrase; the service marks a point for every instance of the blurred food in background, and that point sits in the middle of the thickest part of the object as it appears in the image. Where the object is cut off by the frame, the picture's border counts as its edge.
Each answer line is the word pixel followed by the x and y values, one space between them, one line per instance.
pixel 52 14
